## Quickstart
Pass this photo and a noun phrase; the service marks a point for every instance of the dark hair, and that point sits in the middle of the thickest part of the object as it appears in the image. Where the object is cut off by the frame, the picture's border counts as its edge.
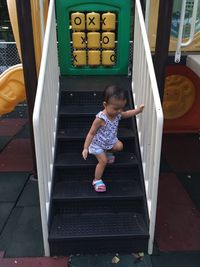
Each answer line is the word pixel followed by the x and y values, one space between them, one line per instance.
pixel 114 91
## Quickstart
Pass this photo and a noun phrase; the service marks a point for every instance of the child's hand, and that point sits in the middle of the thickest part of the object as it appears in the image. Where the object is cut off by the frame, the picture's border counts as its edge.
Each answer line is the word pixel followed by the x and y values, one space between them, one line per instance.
pixel 141 107
pixel 85 153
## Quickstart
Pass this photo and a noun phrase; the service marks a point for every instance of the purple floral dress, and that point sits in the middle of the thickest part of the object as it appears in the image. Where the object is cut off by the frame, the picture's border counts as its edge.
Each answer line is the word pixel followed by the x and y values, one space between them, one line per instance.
pixel 106 135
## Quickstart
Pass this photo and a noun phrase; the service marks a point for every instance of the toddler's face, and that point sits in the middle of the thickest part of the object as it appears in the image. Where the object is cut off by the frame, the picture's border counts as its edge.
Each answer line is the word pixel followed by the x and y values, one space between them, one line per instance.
pixel 114 107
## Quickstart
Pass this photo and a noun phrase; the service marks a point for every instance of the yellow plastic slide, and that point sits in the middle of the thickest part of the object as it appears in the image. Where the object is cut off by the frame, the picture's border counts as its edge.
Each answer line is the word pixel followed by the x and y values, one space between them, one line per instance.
pixel 35 12
pixel 11 88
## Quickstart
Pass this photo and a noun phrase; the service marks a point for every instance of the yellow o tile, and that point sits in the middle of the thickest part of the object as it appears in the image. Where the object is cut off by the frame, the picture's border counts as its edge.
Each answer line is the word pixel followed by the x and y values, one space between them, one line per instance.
pixel 78 21
pixel 108 57
pixel 108 40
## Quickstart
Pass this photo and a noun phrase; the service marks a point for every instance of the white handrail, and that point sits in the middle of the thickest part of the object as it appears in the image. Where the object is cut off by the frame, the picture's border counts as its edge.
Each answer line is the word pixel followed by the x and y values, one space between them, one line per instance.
pixel 150 122
pixel 147 11
pixel 45 118
pixel 180 33
pixel 41 5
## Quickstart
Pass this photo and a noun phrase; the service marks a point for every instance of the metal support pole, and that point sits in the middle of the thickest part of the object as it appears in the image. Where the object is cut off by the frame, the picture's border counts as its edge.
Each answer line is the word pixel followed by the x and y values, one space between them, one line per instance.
pixel 162 43
pixel 28 62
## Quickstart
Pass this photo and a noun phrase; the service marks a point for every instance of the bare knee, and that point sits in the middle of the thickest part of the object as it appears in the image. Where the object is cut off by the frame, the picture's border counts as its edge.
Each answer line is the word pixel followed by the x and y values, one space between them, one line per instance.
pixel 103 161
pixel 118 146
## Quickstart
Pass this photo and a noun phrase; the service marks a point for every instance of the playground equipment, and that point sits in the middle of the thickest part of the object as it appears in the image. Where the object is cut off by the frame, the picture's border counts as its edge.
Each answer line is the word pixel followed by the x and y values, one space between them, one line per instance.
pixel 181 96
pixel 80 97
pixel 93 42
pixel 37 23
pixel 12 88
pixel 153 18
pixel 181 100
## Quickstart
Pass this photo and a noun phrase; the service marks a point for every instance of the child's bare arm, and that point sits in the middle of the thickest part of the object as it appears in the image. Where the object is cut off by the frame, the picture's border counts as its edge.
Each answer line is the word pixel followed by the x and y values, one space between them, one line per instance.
pixel 132 112
pixel 95 126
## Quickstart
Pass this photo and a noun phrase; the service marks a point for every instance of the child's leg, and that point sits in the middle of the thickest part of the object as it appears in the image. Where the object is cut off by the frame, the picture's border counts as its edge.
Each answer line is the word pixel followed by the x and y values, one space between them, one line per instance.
pixel 117 147
pixel 102 161
pixel 97 182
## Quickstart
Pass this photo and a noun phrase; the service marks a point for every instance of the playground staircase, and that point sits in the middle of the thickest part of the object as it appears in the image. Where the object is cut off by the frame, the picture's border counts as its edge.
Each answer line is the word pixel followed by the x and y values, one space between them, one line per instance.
pixel 81 220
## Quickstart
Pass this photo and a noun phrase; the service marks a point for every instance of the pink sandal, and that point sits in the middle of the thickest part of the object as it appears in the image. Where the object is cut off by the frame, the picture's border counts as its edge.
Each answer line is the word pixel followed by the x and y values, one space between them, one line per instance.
pixel 110 157
pixel 99 186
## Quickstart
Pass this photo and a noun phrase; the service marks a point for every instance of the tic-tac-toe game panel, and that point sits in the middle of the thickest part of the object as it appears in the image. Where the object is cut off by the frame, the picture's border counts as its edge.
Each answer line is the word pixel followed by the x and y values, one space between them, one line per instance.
pixel 93 36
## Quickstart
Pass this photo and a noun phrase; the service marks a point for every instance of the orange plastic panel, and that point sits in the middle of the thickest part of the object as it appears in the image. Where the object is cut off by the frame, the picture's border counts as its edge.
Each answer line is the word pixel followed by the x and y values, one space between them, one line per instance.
pixel 179 96
pixel 184 96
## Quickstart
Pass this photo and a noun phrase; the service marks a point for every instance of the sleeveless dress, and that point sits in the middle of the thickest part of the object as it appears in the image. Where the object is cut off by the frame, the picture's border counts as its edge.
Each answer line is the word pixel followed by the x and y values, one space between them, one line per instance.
pixel 106 135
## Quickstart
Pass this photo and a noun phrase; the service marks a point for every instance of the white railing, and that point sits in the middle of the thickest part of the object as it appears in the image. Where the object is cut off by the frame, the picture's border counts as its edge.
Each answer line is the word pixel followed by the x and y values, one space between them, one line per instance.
pixel 45 118
pixel 150 122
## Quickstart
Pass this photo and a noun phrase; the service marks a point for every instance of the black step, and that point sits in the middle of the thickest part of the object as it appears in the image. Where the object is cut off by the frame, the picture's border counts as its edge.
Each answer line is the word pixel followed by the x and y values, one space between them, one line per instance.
pixel 81 98
pixel 81 110
pixel 83 190
pixel 93 83
pixel 87 173
pixel 76 145
pixel 75 160
pixel 82 220
pixel 98 232
pixel 75 133
pixel 98 205
pixel 85 122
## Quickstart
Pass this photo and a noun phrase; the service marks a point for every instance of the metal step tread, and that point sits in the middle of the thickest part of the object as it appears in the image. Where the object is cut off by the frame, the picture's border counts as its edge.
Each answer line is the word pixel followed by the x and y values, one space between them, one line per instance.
pixel 75 133
pixel 76 160
pixel 93 82
pixel 72 110
pixel 81 110
pixel 83 190
pixel 98 225
pixel 89 98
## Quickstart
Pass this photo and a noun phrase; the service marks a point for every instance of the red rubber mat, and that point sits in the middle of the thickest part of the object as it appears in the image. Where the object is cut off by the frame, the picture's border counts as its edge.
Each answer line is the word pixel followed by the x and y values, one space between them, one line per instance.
pixel 32 262
pixel 177 225
pixel 182 152
pixel 10 127
pixel 16 156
